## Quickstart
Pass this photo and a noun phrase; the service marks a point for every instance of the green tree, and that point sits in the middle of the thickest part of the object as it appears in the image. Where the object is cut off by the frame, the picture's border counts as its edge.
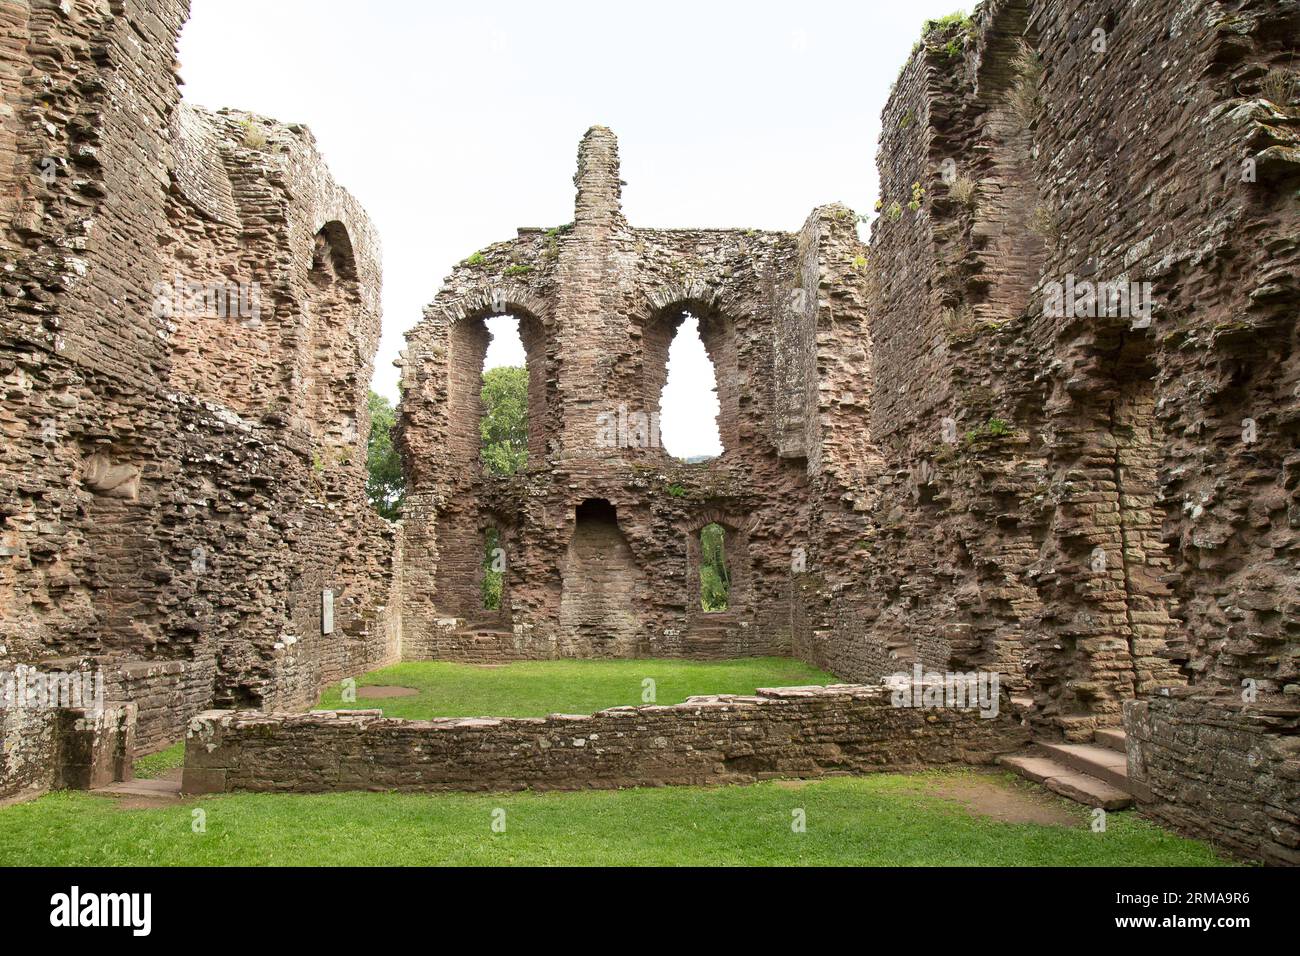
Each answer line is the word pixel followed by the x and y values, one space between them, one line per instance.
pixel 385 483
pixel 715 582
pixel 504 428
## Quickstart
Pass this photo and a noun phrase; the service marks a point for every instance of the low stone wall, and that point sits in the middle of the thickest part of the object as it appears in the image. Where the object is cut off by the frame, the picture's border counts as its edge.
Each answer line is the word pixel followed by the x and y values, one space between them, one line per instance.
pixel 1219 769
pixel 28 750
pixel 64 748
pixel 449 639
pixel 705 637
pixel 787 732
pixel 166 694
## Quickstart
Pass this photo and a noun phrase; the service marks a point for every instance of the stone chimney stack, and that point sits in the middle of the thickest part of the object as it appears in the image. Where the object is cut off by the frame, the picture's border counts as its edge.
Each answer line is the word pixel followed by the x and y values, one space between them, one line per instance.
pixel 597 179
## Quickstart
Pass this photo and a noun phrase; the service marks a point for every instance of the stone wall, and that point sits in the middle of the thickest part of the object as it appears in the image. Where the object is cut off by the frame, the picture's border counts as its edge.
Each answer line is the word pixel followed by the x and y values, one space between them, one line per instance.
pixel 49 740
pixel 788 732
pixel 189 311
pixel 924 460
pixel 1101 504
pixel 1220 769
pixel 1079 501
pixel 599 303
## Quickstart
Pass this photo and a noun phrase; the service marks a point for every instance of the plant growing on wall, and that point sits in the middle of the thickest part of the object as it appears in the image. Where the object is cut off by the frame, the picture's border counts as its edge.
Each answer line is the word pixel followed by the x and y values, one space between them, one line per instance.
pixel 1280 87
pixel 1026 97
pixel 254 138
pixel 963 190
pixel 958 18
pixel 918 196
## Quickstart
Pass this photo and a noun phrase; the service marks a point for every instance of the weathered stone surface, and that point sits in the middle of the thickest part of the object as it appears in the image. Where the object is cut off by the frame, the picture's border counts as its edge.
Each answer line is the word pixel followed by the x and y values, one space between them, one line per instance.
pixel 189 309
pixel 601 542
pixel 706 740
pixel 1097 506
pixel 924 461
pixel 1220 769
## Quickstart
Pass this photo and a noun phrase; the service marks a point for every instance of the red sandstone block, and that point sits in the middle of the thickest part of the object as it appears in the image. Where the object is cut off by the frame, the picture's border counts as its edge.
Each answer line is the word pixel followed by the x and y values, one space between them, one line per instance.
pixel 203 780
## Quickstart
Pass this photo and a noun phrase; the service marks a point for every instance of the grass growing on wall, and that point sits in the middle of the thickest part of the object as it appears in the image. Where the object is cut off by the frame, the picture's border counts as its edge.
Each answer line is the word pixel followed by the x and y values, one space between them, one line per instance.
pixel 881 820
pixel 538 688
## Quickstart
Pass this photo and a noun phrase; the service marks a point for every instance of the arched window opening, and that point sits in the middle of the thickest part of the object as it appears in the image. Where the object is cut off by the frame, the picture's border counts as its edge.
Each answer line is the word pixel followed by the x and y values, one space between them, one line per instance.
pixel 715 578
pixel 495 368
pixel 689 411
pixel 504 425
pixel 500 362
pixel 494 567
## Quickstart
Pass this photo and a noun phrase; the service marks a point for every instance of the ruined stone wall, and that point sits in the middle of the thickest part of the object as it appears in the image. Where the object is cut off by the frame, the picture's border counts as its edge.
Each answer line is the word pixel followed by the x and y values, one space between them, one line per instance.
pixel 1100 504
pixel 189 314
pixel 1075 500
pixel 1220 770
pixel 789 732
pixel 28 748
pixel 52 737
pixel 599 303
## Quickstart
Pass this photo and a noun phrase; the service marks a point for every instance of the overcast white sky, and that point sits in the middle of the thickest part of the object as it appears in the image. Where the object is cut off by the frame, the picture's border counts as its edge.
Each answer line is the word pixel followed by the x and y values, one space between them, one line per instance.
pixel 454 124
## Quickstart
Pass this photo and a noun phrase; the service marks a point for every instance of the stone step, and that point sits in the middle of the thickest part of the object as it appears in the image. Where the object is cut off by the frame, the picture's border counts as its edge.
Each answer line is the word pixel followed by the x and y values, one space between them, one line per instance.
pixel 1100 762
pixel 1111 738
pixel 1068 782
pixel 166 788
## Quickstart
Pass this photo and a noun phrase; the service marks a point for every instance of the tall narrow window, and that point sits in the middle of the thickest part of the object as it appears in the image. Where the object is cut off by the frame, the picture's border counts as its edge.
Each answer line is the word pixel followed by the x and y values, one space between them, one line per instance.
pixel 494 566
pixel 715 580
pixel 504 426
pixel 688 405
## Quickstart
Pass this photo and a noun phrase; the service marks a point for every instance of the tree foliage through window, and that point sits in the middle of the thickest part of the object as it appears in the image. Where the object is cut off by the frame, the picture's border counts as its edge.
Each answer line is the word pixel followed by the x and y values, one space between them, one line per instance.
pixel 504 427
pixel 715 581
pixel 493 570
pixel 385 483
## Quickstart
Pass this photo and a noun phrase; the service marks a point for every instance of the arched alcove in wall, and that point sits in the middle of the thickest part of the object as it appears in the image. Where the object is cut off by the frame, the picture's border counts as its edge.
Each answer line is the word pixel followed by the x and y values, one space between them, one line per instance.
pixel 601 586
pixel 715 573
pixel 327 375
pixel 718 557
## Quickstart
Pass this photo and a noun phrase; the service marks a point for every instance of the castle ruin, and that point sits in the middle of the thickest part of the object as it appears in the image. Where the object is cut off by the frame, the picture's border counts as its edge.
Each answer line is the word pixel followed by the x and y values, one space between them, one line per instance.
pixel 1044 425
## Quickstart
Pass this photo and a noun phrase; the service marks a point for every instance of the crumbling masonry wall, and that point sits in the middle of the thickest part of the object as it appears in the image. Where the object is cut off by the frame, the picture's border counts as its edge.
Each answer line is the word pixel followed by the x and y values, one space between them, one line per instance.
pixel 785 732
pixel 601 529
pixel 924 460
pixel 936 463
pixel 189 312
pixel 1101 507
pixel 1219 769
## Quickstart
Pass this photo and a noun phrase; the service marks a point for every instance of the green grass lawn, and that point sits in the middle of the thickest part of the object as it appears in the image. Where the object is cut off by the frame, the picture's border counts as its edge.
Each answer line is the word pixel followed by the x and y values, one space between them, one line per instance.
pixel 878 820
pixel 884 819
pixel 538 688
pixel 156 764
